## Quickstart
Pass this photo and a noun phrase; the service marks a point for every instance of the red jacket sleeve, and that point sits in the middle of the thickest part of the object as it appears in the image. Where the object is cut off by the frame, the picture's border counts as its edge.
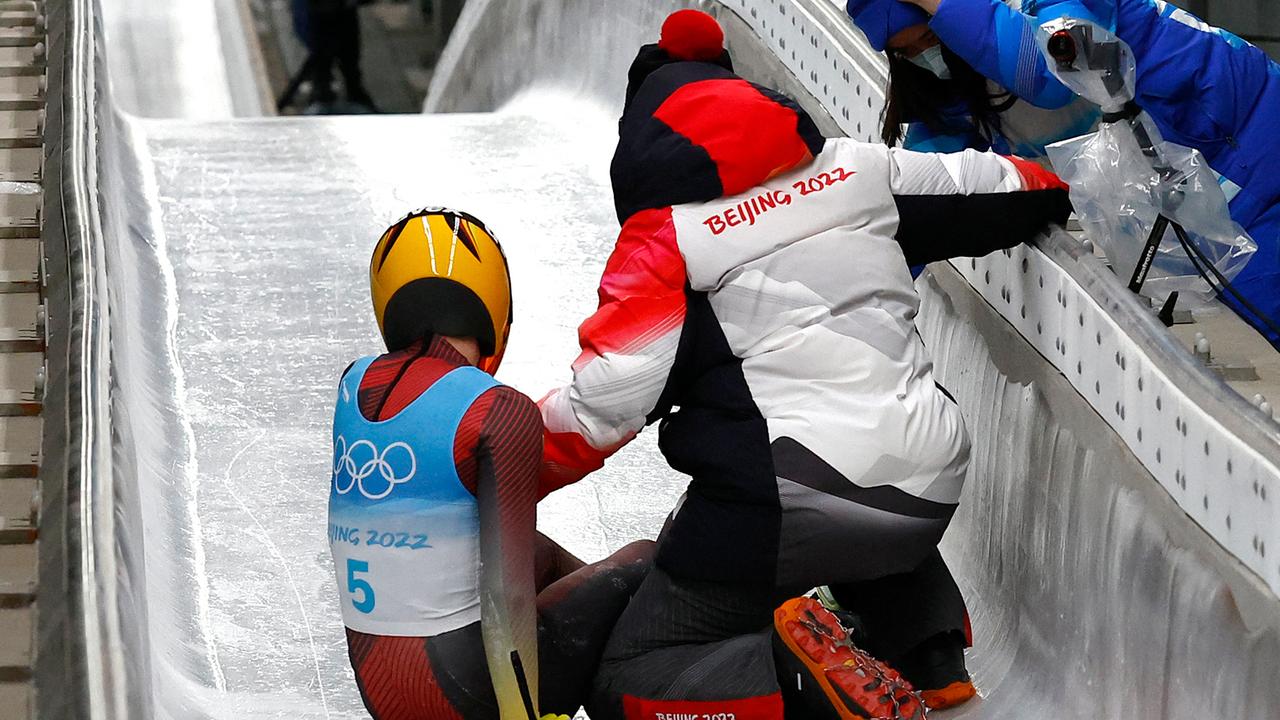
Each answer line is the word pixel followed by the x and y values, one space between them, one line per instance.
pixel 628 349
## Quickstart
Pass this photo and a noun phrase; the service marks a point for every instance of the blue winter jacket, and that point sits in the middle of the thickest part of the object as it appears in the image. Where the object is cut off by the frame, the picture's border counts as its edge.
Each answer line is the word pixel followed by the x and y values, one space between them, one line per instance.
pixel 993 38
pixel 1205 87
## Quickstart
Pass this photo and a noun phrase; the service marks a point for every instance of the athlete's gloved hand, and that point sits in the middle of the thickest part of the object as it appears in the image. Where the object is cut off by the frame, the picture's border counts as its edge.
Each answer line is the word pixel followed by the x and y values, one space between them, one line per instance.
pixel 555 717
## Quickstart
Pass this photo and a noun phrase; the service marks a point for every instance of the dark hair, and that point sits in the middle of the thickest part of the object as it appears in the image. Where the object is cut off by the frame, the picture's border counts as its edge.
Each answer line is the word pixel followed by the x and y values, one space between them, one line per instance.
pixel 916 95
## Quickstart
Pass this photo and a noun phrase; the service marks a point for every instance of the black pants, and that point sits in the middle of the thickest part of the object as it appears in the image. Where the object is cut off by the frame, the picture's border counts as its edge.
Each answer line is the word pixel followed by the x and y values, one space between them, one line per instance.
pixel 334 38
pixel 575 617
pixel 688 640
pixel 898 612
pixel 699 640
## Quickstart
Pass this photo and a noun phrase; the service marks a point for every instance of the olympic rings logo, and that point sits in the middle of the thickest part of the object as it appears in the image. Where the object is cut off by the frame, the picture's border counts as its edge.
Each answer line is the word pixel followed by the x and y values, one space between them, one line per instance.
pixel 361 461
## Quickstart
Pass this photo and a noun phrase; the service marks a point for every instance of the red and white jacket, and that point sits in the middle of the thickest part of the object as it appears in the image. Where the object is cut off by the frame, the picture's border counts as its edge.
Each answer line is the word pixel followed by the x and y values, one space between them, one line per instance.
pixel 772 331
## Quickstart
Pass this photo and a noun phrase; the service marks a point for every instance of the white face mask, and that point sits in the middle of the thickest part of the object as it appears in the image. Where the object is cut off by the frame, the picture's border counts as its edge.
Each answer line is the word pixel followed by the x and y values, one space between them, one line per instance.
pixel 933 61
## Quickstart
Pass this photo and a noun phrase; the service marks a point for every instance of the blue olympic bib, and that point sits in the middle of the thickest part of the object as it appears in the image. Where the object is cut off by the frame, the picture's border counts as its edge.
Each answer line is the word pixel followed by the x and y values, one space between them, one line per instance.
pixel 403 530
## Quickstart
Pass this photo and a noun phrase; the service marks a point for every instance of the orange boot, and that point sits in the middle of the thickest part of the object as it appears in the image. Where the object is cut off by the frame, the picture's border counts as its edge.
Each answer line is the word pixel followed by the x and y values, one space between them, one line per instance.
pixel 836 679
pixel 957 693
pixel 937 668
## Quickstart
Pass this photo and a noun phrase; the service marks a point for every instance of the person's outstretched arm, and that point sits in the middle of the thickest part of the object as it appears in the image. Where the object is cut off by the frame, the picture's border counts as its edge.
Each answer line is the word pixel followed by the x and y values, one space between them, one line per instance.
pixel 1000 43
pixel 971 204
pixel 508 457
pixel 628 350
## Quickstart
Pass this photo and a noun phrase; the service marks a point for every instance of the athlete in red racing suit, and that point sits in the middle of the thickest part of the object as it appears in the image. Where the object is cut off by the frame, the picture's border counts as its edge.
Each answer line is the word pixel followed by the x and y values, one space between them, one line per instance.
pixel 758 306
pixel 455 608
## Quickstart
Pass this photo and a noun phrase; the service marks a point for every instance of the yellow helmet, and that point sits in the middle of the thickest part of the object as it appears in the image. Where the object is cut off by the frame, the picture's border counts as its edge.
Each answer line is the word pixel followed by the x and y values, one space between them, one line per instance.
pixel 441 271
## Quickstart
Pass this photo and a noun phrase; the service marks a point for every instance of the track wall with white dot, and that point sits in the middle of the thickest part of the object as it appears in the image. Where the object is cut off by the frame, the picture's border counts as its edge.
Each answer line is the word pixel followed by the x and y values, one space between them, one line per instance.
pixel 1215 453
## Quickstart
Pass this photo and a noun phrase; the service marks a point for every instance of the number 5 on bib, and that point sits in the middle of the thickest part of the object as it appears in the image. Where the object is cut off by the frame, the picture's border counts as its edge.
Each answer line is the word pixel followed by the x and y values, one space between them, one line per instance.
pixel 354 584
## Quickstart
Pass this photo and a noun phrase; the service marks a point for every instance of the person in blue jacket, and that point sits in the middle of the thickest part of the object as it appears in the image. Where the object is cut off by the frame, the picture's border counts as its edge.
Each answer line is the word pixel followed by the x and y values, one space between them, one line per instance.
pixel 952 103
pixel 1205 88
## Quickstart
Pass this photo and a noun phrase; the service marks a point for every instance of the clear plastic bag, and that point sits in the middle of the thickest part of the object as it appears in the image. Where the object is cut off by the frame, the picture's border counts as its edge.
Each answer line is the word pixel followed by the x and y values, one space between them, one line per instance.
pixel 1118 195
pixel 1125 176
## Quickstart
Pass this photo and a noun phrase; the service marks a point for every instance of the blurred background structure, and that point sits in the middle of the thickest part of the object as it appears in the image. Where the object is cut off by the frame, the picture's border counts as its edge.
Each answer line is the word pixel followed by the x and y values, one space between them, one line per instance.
pixel 401 42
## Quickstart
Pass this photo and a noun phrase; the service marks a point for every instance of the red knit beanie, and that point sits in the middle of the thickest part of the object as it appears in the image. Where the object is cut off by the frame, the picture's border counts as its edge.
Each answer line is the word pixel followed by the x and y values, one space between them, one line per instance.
pixel 692 35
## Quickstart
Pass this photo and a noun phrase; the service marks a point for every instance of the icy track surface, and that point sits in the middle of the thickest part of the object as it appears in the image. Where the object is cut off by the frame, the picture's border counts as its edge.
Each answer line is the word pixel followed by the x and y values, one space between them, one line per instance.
pixel 268 226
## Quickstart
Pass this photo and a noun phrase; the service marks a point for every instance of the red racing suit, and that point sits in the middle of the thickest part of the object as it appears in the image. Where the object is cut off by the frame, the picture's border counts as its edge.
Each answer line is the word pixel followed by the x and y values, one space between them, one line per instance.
pixel 497 445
